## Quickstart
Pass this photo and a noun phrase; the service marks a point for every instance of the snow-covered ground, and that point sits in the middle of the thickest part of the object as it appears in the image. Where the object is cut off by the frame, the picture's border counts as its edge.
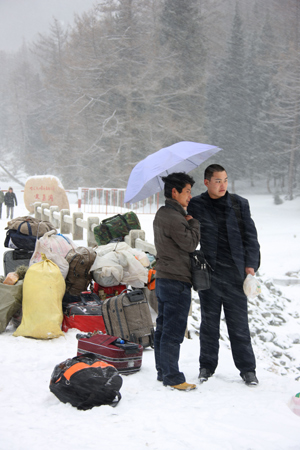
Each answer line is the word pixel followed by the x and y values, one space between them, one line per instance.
pixel 221 414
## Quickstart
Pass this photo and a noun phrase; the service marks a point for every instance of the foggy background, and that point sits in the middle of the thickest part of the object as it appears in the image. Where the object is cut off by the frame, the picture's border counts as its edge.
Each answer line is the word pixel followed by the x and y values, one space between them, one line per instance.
pixel 23 19
pixel 86 97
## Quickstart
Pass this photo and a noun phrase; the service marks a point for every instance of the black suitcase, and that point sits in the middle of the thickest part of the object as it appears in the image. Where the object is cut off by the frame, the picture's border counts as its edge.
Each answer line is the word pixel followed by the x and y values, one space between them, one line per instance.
pixel 123 355
pixel 128 316
pixel 14 258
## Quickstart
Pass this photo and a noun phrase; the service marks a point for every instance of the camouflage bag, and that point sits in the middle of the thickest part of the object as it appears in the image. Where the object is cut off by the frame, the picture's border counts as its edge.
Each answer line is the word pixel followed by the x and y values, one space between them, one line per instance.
pixel 116 227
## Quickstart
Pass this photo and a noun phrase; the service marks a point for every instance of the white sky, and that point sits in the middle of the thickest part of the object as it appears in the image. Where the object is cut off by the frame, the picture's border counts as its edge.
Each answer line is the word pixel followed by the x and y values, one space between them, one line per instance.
pixel 23 19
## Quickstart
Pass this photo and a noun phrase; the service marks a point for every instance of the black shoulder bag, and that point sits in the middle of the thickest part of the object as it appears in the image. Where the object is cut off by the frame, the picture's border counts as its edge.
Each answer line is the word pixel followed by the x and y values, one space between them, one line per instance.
pixel 200 271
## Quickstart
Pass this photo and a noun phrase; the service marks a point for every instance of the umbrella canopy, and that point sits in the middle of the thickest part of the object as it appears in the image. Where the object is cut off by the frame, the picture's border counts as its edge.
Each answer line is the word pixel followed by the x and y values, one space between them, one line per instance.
pixel 145 178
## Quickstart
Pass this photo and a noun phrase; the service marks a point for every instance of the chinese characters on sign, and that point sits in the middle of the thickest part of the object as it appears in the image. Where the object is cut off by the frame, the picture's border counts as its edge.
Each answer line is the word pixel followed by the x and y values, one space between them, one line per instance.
pixel 42 196
pixel 45 189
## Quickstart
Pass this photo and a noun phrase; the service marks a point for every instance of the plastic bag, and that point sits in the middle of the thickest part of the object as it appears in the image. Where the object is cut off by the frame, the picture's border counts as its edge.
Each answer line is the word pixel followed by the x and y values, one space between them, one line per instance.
pixel 11 278
pixel 294 404
pixel 251 286
pixel 141 256
pixel 55 247
pixel 116 264
pixel 43 291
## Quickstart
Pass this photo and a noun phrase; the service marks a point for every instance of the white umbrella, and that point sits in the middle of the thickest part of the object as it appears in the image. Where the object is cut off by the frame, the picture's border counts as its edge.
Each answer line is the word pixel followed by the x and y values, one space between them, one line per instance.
pixel 145 178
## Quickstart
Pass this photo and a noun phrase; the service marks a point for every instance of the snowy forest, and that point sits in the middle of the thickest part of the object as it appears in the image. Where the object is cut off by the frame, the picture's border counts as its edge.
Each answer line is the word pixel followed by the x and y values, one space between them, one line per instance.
pixel 130 77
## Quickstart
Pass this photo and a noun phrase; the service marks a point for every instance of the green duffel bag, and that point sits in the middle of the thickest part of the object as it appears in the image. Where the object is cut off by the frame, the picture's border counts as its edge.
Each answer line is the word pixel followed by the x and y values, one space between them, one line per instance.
pixel 116 227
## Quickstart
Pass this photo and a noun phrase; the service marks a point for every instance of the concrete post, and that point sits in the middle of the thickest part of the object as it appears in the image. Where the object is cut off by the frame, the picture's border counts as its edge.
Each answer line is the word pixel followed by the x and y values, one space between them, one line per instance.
pixel 43 215
pixel 65 228
pixel 77 231
pixel 133 235
pixel 91 241
pixel 37 215
pixel 54 221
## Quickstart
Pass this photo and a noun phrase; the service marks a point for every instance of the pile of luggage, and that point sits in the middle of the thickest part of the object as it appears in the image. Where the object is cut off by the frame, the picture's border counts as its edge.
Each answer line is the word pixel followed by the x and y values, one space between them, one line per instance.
pixel 50 285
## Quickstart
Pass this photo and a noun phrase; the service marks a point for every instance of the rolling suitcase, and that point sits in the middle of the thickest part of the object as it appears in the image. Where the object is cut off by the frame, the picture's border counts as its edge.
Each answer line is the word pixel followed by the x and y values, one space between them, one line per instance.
pixel 14 258
pixel 123 355
pixel 85 315
pixel 128 316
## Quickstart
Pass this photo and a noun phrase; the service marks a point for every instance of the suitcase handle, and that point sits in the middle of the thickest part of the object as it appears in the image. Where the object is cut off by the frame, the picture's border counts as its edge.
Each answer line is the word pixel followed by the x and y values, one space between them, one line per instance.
pixel 130 348
pixel 135 295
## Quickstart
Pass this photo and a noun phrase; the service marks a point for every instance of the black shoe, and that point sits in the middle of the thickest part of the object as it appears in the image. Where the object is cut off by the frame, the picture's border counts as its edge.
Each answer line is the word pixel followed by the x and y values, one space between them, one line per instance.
pixel 204 374
pixel 250 378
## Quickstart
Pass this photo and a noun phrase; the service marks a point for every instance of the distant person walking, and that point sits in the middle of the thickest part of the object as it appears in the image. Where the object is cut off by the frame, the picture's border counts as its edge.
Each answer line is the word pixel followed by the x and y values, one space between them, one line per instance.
pixel 10 200
pixel 1 201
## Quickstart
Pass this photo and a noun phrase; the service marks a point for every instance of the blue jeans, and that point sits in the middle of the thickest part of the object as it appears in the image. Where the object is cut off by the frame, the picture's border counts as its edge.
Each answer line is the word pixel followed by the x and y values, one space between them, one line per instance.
pixel 174 299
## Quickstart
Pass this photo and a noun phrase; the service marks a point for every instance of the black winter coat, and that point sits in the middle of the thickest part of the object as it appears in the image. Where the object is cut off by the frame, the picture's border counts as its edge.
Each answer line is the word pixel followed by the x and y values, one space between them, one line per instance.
pixel 244 251
pixel 10 199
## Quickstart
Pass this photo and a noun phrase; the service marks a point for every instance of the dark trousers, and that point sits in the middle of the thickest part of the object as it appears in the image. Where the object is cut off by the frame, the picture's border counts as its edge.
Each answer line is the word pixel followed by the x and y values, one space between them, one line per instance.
pixel 0 210
pixel 174 299
pixel 227 291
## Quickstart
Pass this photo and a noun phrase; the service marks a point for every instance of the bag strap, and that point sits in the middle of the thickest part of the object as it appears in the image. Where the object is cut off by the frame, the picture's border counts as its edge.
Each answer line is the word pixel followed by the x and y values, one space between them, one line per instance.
pixel 28 225
pixel 109 219
pixel 237 211
pixel 126 223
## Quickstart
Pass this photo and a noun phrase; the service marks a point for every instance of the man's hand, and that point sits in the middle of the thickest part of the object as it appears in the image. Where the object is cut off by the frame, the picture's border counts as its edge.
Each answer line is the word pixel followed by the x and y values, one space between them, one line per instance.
pixel 249 270
pixel 188 217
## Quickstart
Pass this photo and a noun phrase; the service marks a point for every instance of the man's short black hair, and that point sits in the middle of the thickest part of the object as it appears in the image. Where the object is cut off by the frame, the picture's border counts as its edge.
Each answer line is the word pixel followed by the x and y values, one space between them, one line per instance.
pixel 209 171
pixel 177 180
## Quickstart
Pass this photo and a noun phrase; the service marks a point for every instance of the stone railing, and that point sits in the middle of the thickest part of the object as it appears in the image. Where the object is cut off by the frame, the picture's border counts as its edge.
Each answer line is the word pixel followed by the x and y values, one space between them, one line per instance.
pixel 75 224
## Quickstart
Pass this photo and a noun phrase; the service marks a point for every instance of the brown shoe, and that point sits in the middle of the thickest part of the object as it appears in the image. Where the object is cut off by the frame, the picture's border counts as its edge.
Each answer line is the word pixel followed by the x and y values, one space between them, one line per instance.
pixel 184 386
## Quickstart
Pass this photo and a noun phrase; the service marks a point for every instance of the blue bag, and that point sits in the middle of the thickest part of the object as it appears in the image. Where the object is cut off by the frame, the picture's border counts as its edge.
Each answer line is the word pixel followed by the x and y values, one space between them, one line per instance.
pixel 17 240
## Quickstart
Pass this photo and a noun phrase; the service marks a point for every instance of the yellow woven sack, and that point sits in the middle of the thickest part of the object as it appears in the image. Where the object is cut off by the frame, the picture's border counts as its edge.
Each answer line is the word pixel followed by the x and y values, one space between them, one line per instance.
pixel 43 291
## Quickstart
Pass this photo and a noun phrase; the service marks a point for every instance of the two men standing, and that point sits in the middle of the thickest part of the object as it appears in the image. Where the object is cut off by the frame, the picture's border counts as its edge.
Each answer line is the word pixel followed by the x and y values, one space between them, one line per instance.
pixel 229 242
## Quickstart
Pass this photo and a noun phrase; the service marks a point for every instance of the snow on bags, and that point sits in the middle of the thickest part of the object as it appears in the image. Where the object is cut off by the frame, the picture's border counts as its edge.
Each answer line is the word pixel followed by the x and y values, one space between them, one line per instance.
pixel 43 291
pixel 55 247
pixel 251 286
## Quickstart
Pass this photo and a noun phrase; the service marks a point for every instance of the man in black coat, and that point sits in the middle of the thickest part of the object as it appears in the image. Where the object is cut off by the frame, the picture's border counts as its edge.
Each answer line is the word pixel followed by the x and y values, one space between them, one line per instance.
pixel 10 200
pixel 230 246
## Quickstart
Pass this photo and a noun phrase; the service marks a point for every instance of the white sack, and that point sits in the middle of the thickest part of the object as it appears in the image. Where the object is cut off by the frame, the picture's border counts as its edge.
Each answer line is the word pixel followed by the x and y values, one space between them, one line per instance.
pixel 115 263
